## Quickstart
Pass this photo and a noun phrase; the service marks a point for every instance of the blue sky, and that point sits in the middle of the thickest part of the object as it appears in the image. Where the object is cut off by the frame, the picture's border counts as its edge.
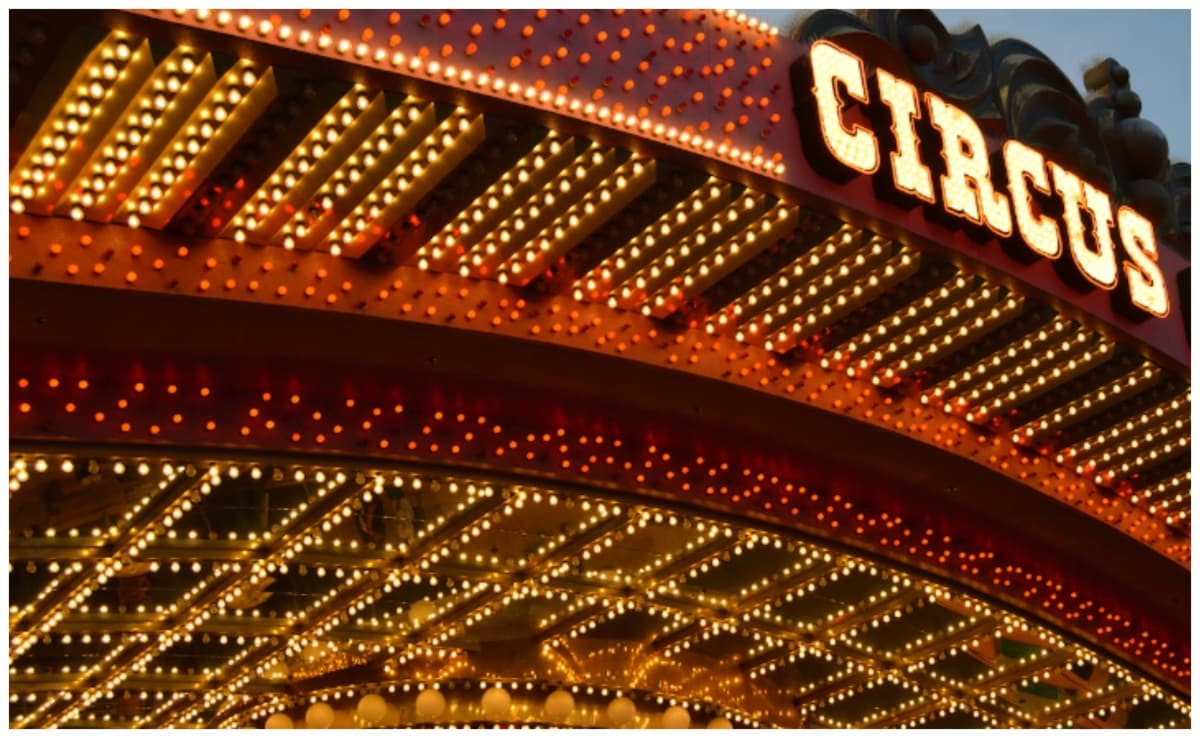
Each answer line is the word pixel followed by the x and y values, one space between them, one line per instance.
pixel 1155 45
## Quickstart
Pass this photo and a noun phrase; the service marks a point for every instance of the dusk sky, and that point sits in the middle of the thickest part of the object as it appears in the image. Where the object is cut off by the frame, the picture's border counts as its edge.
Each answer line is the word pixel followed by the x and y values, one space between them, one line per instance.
pixel 1155 45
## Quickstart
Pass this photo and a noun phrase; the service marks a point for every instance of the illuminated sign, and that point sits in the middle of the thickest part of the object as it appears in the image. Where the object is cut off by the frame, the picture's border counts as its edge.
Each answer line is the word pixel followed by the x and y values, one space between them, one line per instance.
pixel 882 126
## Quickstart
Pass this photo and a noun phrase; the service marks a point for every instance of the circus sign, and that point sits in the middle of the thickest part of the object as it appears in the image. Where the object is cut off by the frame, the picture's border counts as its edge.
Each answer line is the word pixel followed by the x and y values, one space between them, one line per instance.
pixel 920 150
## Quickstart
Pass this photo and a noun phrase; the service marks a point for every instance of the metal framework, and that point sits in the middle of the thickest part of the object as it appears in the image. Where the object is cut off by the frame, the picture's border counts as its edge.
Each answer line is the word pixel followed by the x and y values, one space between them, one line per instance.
pixel 195 586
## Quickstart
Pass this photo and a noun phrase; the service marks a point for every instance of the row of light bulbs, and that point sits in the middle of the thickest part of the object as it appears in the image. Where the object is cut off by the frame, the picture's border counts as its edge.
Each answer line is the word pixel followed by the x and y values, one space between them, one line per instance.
pixel 552 192
pixel 1093 402
pixel 474 222
pixel 597 203
pixel 444 147
pixel 82 104
pixel 714 265
pixel 227 110
pixel 613 274
pixel 652 279
pixel 300 174
pixel 529 93
pixel 213 474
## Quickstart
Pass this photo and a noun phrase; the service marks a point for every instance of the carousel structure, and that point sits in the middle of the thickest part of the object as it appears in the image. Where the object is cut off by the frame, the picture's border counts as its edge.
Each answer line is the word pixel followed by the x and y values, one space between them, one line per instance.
pixel 590 368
